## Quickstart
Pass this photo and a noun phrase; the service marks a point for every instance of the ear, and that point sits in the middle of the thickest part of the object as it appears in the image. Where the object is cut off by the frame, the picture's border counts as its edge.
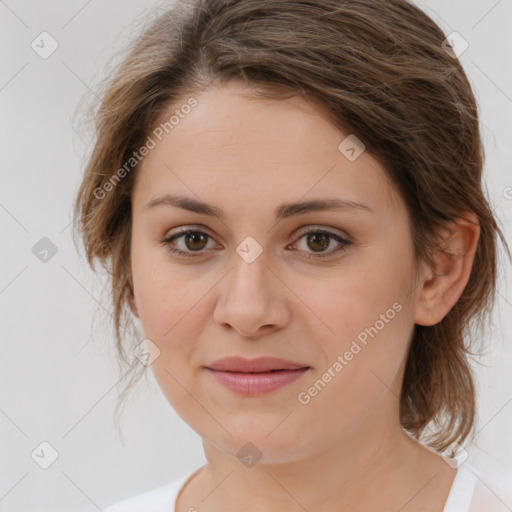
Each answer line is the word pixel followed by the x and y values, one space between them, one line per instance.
pixel 443 285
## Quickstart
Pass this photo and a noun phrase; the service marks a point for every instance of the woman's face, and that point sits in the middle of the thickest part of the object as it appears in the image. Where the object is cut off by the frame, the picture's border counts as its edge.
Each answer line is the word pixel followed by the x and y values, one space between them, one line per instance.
pixel 256 281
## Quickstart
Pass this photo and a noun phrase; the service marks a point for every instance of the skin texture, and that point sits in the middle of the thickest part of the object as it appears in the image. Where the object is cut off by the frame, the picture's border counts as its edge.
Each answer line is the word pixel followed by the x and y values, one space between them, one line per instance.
pixel 345 449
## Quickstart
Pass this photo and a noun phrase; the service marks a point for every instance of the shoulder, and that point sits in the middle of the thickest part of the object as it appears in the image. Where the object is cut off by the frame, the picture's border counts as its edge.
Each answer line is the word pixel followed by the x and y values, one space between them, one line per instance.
pixel 475 491
pixel 158 499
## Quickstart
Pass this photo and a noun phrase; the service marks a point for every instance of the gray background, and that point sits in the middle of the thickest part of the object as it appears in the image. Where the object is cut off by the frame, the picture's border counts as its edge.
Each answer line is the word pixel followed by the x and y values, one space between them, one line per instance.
pixel 58 372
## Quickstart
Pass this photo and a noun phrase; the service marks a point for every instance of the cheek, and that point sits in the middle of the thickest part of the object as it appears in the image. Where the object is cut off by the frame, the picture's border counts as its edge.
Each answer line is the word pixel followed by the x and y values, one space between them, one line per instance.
pixel 168 304
pixel 159 298
pixel 173 307
pixel 370 321
pixel 361 362
pixel 162 294
pixel 355 300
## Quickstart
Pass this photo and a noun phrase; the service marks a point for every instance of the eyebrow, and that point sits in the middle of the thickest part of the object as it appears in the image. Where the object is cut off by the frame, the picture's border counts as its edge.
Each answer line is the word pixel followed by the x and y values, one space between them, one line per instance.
pixel 283 211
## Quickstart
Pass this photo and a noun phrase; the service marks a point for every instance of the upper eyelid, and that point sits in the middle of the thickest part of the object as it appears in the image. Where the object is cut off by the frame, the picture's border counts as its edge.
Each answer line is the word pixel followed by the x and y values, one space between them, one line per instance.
pixel 297 233
pixel 318 227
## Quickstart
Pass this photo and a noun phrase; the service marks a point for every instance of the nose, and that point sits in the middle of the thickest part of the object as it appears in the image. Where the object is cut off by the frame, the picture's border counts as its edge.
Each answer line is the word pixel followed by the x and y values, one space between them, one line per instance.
pixel 252 300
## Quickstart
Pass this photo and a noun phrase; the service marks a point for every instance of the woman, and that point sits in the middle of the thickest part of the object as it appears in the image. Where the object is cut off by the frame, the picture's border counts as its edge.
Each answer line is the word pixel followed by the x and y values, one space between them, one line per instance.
pixel 288 196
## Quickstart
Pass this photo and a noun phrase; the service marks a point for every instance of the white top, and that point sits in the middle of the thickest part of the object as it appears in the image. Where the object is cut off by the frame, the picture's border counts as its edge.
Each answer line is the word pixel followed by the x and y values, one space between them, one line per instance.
pixel 471 492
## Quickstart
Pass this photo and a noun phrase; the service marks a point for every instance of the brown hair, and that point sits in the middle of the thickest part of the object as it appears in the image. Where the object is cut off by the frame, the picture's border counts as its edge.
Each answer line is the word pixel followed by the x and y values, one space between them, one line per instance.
pixel 377 69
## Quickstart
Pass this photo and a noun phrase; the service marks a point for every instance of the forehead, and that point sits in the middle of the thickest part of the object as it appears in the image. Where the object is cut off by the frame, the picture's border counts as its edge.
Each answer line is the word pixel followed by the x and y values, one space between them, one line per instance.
pixel 269 150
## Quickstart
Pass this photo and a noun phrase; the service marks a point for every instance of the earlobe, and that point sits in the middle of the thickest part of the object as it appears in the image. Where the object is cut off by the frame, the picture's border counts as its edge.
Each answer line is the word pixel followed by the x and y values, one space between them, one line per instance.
pixel 453 259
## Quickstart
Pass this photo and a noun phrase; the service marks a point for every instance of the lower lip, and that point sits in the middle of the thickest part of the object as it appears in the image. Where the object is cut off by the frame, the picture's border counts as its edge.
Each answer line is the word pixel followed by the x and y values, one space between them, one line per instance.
pixel 256 383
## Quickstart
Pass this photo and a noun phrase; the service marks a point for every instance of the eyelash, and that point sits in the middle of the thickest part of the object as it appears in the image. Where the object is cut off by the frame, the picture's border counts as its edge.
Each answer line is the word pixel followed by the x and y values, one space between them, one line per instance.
pixel 344 243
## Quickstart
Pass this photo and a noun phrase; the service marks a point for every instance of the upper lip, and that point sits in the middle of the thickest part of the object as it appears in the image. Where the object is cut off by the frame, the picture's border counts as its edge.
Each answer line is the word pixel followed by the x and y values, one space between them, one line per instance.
pixel 260 364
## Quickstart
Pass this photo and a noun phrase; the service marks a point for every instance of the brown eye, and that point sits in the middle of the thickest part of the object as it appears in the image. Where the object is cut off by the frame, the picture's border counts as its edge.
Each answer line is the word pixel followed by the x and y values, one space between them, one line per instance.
pixel 190 241
pixel 195 240
pixel 318 241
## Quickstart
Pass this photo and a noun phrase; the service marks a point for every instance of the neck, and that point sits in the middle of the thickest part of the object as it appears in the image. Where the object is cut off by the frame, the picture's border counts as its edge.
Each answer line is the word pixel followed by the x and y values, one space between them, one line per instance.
pixel 385 470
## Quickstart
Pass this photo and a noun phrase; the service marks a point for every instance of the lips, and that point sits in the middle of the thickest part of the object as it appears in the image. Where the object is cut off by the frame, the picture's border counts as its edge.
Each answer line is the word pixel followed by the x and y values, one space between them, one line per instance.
pixel 255 376
pixel 258 365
